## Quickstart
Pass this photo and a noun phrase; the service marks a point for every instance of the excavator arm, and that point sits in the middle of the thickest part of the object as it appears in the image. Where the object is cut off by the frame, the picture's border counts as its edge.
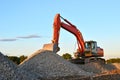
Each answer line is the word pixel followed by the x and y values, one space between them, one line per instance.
pixel 70 28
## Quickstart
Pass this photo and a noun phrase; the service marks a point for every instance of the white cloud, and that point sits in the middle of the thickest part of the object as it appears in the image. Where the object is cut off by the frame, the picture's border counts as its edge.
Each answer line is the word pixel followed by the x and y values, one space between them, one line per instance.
pixel 21 37
pixel 7 40
pixel 29 36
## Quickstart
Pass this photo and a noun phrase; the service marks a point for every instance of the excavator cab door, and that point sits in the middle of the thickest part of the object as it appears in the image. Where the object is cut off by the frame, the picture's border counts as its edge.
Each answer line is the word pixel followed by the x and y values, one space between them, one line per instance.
pixel 90 48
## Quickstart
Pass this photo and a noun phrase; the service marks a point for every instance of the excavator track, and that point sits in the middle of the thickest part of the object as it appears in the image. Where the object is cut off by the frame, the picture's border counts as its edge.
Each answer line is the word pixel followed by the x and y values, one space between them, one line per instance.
pixel 88 60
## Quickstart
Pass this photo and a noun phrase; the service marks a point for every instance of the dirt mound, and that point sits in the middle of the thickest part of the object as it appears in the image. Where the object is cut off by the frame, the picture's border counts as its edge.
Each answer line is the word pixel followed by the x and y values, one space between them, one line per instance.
pixel 102 71
pixel 9 70
pixel 98 68
pixel 49 64
pixel 111 76
pixel 117 65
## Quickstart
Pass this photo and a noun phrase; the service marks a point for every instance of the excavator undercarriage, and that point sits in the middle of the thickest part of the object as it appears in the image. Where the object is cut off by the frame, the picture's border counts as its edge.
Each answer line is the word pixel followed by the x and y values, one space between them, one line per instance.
pixel 88 60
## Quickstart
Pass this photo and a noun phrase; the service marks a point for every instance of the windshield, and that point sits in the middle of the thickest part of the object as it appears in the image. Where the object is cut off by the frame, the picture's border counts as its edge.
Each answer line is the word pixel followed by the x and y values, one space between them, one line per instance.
pixel 89 45
pixel 93 45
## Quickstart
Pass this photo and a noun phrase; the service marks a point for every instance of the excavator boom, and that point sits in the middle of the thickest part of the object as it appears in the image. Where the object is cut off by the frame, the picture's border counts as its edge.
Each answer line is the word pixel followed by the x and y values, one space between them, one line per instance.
pixel 56 31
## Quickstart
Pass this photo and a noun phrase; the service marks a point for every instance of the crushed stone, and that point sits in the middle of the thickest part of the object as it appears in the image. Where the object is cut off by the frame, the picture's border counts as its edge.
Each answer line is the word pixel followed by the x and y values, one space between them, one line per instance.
pixel 9 70
pixel 98 68
pixel 48 64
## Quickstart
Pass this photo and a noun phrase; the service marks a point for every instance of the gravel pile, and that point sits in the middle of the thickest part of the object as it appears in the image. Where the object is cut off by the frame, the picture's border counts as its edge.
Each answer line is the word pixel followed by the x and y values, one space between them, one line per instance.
pixel 106 77
pixel 47 64
pixel 9 70
pixel 98 68
pixel 117 65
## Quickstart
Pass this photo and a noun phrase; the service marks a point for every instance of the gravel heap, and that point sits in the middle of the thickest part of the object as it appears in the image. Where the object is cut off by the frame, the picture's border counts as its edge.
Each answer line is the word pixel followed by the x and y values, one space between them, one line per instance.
pixel 102 71
pixel 110 76
pixel 9 70
pixel 117 65
pixel 97 67
pixel 48 64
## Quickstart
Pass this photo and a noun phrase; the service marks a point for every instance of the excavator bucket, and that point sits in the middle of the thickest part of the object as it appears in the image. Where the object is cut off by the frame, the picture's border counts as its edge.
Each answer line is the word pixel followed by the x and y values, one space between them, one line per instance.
pixel 51 47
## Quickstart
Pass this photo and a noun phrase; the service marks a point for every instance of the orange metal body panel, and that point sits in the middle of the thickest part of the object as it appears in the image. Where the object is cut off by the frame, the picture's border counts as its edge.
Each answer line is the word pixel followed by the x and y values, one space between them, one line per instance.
pixel 100 52
pixel 56 28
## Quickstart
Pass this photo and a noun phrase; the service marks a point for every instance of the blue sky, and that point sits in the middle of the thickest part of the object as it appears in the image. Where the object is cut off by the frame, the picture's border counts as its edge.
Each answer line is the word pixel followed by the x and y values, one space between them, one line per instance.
pixel 25 25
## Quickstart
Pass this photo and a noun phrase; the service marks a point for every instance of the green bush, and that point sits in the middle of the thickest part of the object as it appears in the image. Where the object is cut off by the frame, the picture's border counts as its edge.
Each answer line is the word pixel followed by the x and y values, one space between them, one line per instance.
pixel 67 56
pixel 113 60
pixel 16 59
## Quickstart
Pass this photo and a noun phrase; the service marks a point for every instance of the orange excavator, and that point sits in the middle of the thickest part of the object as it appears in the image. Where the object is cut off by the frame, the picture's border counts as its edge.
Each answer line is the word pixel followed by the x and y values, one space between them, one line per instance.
pixel 87 51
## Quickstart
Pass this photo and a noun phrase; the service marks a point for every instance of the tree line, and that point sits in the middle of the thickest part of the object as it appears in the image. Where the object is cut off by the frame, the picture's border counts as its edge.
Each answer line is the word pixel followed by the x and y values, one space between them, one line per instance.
pixel 112 60
pixel 16 59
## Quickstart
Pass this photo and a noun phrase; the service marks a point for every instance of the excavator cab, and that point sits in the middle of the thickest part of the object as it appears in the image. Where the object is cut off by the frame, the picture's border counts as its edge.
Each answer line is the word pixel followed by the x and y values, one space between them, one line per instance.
pixel 92 53
pixel 92 50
